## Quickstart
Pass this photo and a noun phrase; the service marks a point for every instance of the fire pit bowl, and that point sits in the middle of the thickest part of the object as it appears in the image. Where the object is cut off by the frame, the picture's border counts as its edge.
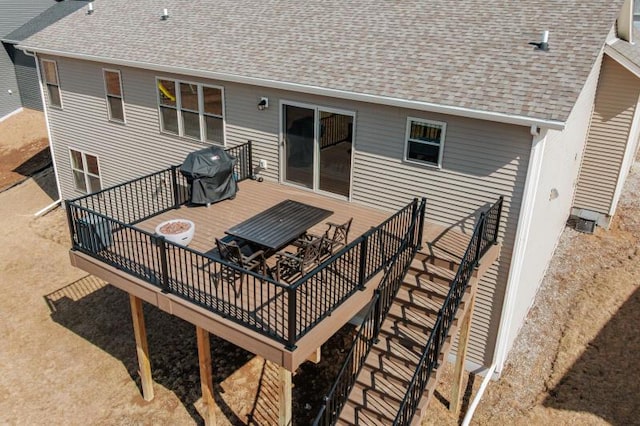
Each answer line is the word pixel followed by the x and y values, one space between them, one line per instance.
pixel 178 231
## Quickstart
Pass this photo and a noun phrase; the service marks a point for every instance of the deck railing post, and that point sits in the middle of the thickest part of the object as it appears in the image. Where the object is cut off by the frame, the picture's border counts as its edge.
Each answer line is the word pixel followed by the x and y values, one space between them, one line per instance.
pixel 363 262
pixel 174 186
pixel 421 213
pixel 498 217
pixel 292 326
pixel 164 266
pixel 478 247
pixel 72 228
pixel 249 167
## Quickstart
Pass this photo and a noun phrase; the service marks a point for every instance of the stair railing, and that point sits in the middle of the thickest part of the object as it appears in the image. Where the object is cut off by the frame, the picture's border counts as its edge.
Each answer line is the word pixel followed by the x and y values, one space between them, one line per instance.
pixel 368 332
pixel 484 235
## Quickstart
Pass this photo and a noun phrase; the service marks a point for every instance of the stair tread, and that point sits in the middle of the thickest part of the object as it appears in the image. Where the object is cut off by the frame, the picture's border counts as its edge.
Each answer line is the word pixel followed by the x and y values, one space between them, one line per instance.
pixel 420 300
pixel 365 416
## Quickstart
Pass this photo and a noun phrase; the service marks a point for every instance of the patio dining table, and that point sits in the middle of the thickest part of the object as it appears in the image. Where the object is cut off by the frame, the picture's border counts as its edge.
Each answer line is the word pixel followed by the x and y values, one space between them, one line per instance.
pixel 279 225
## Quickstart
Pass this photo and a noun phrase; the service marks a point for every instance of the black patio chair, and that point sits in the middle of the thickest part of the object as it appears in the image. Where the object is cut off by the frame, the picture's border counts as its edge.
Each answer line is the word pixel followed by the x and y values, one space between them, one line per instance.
pixel 334 238
pixel 293 265
pixel 243 256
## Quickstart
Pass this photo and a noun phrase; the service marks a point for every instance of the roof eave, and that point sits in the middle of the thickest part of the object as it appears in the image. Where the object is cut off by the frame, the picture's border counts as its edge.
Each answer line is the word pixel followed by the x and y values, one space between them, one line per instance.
pixel 316 90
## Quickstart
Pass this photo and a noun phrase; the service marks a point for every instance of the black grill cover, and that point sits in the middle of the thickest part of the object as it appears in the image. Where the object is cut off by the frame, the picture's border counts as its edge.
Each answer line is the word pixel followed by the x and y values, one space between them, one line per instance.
pixel 210 175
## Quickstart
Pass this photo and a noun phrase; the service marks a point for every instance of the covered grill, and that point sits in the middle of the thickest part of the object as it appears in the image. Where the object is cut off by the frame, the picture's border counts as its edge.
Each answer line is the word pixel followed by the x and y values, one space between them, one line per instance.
pixel 209 173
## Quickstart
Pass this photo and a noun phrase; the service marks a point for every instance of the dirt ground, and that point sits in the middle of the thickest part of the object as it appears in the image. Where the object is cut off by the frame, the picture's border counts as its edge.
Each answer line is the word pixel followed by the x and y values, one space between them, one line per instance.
pixel 68 354
pixel 24 147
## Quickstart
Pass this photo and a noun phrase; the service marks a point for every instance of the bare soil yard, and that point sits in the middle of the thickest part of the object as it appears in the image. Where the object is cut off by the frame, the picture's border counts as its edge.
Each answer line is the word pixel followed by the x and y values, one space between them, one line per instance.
pixel 68 354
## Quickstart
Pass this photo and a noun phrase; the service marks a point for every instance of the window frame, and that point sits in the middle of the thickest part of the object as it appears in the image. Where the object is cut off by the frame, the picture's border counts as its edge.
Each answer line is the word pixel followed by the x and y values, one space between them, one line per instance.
pixel 107 95
pixel 86 172
pixel 407 140
pixel 47 84
pixel 201 111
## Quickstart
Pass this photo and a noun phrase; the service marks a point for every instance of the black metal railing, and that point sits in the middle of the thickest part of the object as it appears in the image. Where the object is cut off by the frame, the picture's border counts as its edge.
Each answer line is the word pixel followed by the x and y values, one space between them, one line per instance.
pixel 383 298
pixel 140 199
pixel 484 235
pixel 336 279
pixel 280 311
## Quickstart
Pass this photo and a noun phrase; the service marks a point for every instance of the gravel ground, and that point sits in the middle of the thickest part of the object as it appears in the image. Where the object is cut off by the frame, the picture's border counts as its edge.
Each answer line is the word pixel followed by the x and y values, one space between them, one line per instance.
pixel 577 357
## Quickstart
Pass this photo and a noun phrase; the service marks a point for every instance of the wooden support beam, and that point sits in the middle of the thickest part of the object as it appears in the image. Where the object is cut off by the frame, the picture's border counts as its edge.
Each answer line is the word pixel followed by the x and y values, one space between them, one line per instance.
pixel 315 356
pixel 284 419
pixel 206 376
pixel 142 348
pixel 463 341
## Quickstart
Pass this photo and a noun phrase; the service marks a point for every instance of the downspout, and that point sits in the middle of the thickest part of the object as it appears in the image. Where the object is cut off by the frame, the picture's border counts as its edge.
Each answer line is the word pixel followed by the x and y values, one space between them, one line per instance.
pixel 539 139
pixel 538 142
pixel 474 404
pixel 46 120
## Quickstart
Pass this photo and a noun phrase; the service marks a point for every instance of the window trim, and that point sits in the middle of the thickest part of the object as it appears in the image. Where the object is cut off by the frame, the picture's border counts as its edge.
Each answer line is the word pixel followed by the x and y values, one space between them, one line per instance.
pixel 407 139
pixel 46 83
pixel 201 113
pixel 107 95
pixel 85 173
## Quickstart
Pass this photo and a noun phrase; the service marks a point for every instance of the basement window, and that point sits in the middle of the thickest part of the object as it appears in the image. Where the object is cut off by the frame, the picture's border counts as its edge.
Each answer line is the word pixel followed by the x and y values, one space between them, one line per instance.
pixel 86 171
pixel 424 141
pixel 113 92
pixel 51 81
pixel 191 110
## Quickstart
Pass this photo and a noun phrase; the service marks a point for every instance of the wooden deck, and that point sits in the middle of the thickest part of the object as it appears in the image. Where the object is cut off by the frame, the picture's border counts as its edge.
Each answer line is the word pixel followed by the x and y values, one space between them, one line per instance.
pixel 266 303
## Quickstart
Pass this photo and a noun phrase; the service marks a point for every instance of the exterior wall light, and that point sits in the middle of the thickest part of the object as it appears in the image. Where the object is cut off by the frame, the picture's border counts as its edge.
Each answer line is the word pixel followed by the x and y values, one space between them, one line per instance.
pixel 263 104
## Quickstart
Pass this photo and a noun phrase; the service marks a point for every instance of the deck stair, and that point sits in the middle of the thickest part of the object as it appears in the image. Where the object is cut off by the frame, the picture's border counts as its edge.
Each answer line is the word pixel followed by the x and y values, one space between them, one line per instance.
pixel 391 371
pixel 382 382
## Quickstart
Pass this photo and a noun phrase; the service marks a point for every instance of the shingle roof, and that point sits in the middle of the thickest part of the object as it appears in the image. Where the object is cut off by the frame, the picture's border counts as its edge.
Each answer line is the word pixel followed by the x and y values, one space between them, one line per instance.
pixel 43 20
pixel 470 54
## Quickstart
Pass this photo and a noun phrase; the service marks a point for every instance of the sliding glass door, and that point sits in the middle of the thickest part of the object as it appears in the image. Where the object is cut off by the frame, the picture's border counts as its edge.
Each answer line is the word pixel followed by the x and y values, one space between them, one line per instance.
pixel 318 144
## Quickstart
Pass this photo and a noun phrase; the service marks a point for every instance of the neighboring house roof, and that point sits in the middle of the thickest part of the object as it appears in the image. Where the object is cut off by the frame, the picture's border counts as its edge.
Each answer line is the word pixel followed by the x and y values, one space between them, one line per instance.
pixel 49 16
pixel 14 13
pixel 471 54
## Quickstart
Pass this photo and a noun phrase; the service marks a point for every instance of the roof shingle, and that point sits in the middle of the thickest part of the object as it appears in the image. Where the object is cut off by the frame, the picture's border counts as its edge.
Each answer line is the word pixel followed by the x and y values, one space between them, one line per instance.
pixel 472 54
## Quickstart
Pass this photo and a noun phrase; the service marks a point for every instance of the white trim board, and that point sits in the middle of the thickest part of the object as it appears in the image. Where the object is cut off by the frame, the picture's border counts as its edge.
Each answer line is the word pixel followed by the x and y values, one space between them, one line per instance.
pixel 314 90
pixel 622 60
pixel 538 144
pixel 11 114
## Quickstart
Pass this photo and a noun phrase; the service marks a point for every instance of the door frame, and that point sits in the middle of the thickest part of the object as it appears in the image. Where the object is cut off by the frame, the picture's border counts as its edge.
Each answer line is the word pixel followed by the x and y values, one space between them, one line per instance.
pixel 316 146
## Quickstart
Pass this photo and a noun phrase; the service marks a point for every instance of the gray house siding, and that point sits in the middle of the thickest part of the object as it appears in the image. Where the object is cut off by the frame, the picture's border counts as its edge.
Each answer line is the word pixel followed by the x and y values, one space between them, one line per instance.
pixel 27 79
pixel 482 160
pixel 562 156
pixel 14 14
pixel 9 101
pixel 616 102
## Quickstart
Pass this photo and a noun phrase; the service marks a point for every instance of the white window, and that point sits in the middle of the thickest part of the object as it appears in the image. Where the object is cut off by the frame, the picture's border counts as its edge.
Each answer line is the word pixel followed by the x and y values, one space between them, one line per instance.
pixel 425 141
pixel 113 92
pixel 51 81
pixel 191 110
pixel 86 171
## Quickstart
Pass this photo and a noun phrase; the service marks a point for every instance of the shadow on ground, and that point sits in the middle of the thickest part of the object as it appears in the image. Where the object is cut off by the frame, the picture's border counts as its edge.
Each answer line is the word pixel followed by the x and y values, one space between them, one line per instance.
pixel 609 366
pixel 36 166
pixel 100 314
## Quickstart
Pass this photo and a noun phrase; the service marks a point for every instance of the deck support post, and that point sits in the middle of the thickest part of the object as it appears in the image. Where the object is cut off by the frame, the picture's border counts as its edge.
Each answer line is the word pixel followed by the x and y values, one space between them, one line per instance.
pixel 286 406
pixel 206 376
pixel 463 340
pixel 142 348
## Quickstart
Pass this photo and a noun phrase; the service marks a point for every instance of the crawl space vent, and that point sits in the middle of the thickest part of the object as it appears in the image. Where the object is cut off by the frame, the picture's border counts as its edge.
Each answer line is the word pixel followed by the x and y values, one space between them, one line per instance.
pixel 585 225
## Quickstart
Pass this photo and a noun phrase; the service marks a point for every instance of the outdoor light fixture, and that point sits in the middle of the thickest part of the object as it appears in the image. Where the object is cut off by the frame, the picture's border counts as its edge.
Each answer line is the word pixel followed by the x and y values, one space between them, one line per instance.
pixel 165 14
pixel 544 44
pixel 263 104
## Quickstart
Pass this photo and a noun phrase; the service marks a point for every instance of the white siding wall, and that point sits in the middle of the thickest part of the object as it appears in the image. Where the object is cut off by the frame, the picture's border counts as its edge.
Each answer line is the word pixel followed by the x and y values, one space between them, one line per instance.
pixel 560 166
pixel 482 160
pixel 615 105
